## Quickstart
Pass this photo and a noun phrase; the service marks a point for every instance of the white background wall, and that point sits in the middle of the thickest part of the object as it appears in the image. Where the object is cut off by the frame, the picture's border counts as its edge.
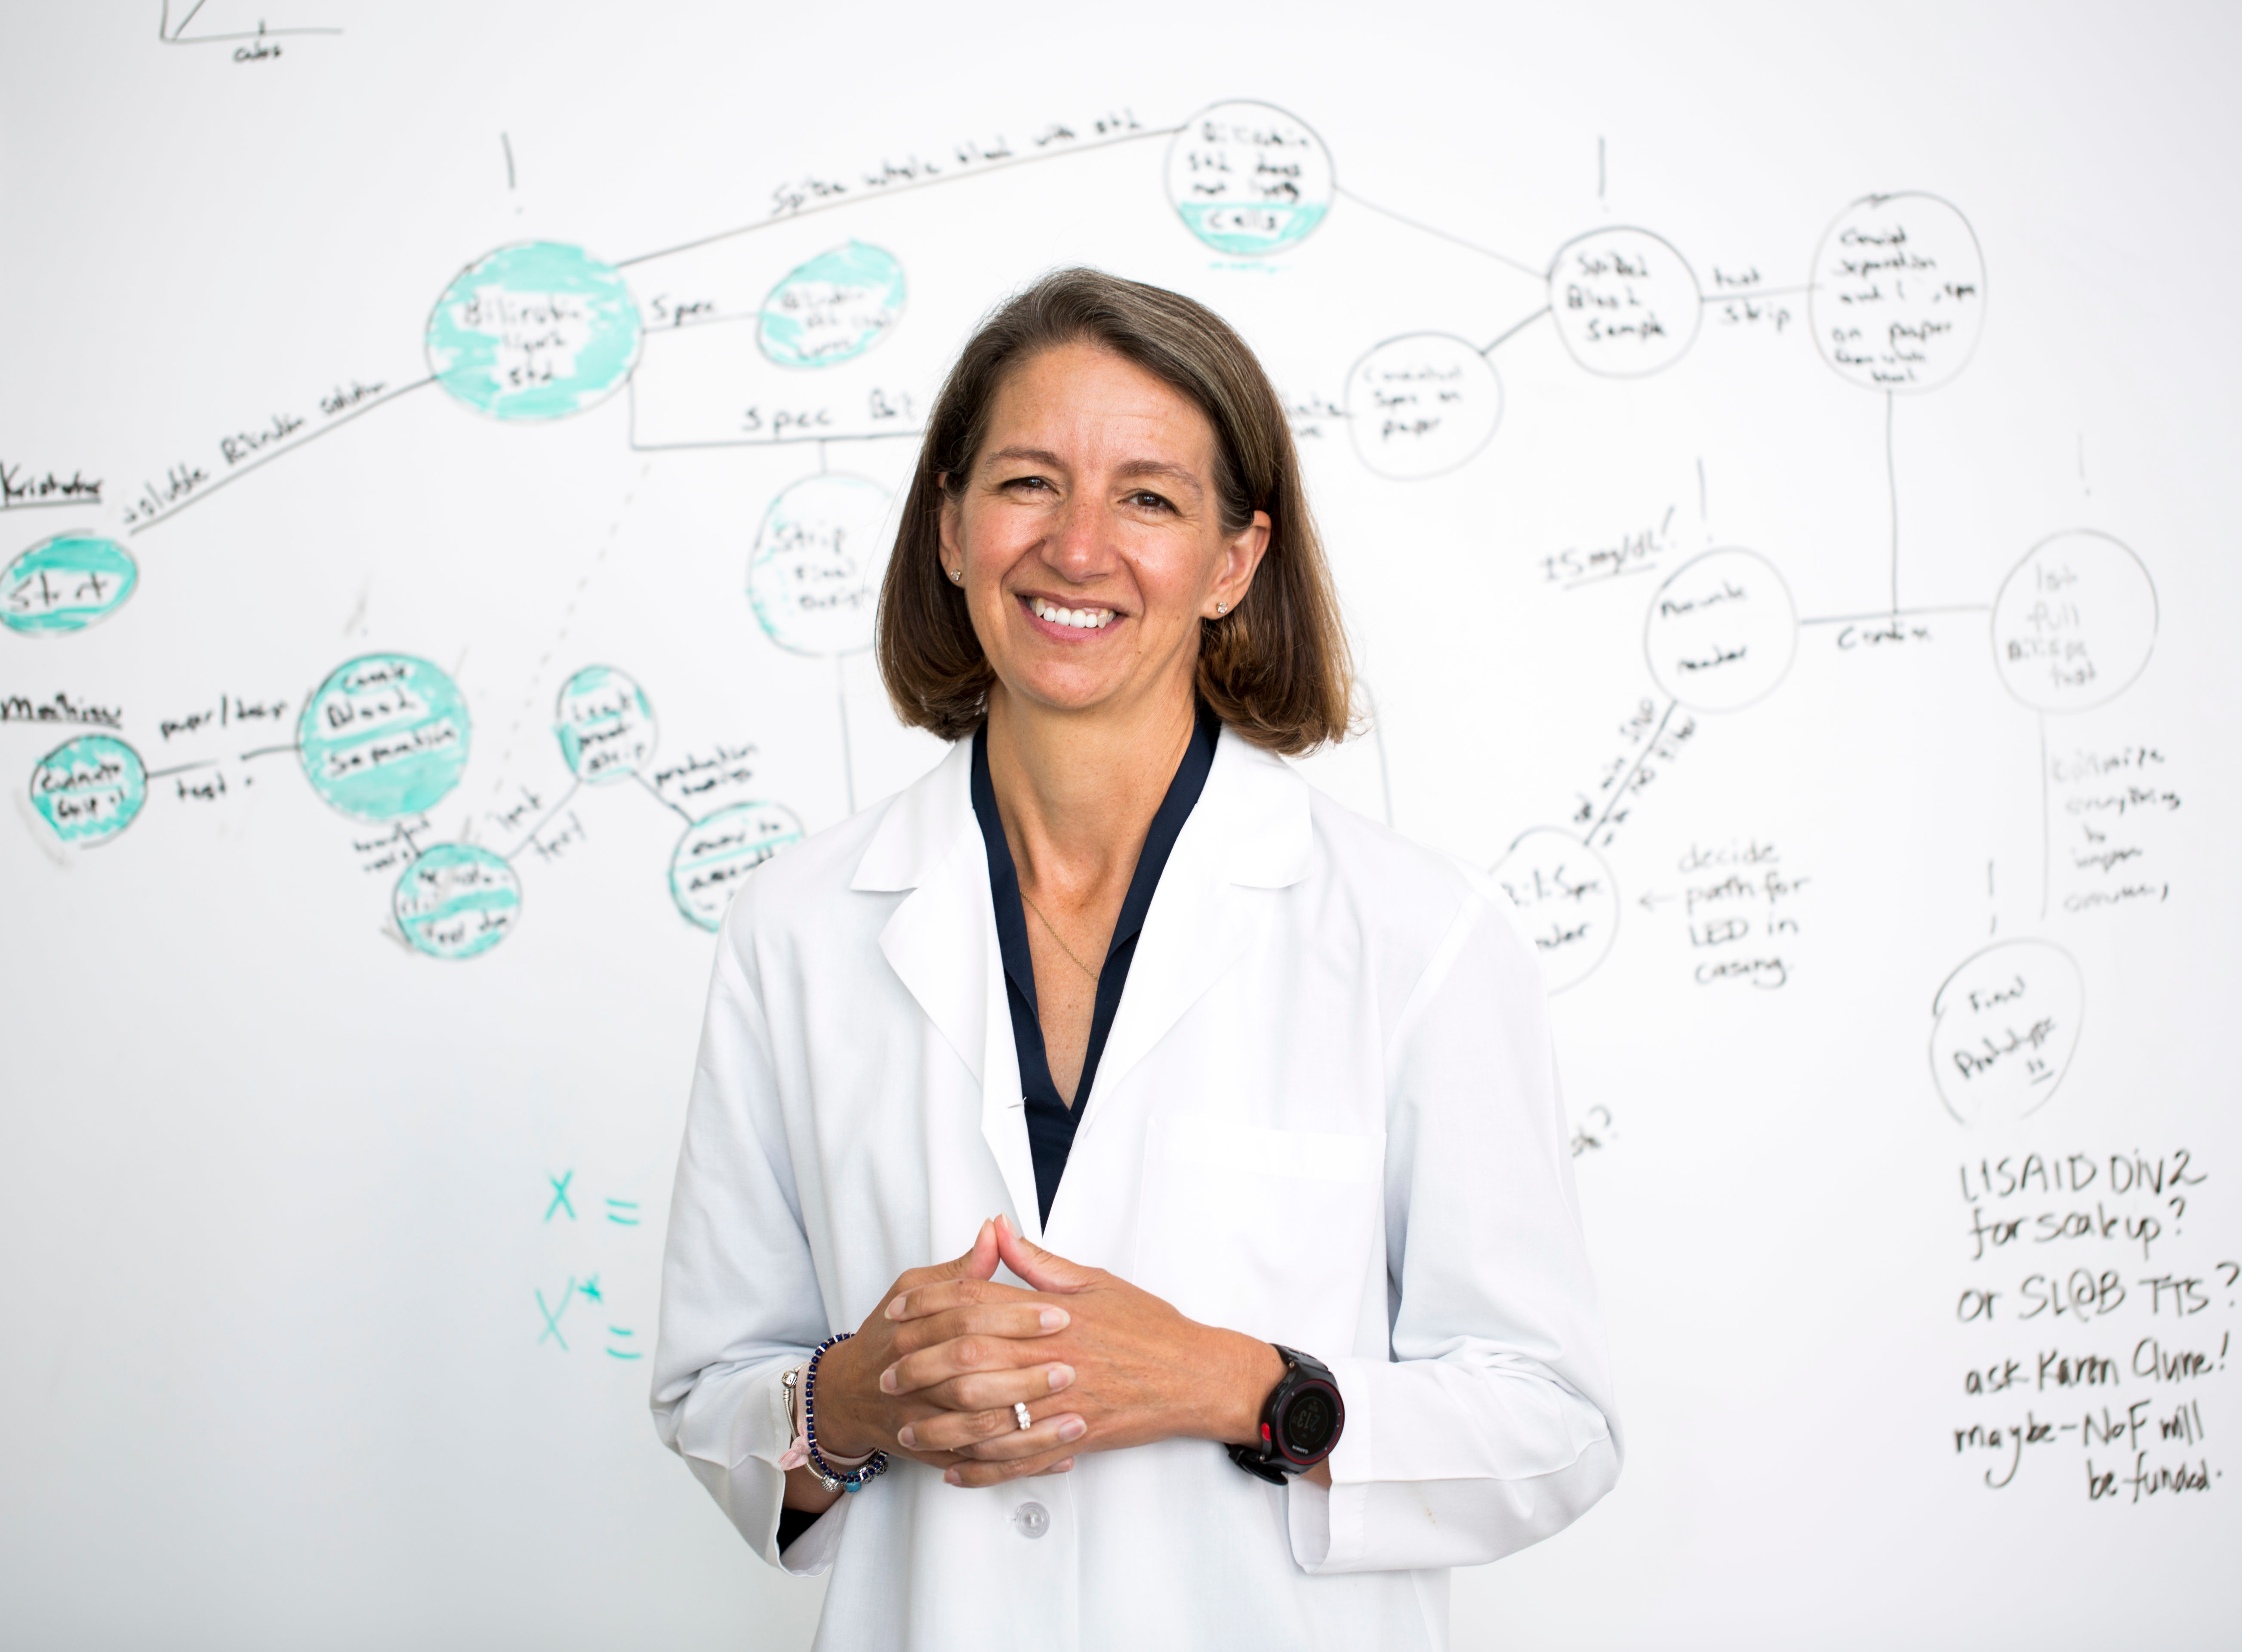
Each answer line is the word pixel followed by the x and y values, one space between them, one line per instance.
pixel 278 1201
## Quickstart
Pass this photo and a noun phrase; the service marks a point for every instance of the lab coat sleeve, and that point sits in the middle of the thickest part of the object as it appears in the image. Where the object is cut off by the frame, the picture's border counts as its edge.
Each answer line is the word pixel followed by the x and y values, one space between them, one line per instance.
pixel 740 1296
pixel 1490 1427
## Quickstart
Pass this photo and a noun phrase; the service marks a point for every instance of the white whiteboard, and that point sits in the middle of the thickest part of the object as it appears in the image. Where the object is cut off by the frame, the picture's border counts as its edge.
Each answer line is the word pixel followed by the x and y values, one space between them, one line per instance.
pixel 1779 469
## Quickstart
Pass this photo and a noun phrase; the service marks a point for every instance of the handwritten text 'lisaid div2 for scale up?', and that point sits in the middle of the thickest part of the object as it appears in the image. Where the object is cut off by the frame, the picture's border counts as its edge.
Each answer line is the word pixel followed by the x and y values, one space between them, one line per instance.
pixel 2104 1336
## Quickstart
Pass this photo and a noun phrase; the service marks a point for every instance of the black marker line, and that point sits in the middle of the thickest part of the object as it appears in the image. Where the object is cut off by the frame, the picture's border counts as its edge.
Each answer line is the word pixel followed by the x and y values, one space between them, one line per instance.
pixel 506 144
pixel 49 505
pixel 544 820
pixel 2046 844
pixel 848 758
pixel 163 29
pixel 568 622
pixel 256 34
pixel 280 453
pixel 630 392
pixel 1896 614
pixel 654 792
pixel 882 193
pixel 1656 734
pixel 1892 480
pixel 638 446
pixel 1606 579
pixel 1504 338
pixel 180 769
pixel 1722 295
pixel 266 751
pixel 1426 229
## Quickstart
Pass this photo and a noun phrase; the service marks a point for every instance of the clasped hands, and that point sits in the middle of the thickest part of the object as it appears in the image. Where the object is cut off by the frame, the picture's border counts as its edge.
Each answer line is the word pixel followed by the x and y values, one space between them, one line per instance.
pixel 934 1371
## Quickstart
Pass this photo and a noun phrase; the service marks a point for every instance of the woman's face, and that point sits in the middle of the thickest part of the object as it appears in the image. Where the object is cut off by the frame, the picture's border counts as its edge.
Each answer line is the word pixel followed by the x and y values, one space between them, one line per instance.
pixel 1090 534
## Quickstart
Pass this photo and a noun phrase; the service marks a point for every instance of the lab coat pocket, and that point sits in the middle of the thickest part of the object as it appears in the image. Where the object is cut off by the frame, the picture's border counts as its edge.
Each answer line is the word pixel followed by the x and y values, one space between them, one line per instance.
pixel 1273 1233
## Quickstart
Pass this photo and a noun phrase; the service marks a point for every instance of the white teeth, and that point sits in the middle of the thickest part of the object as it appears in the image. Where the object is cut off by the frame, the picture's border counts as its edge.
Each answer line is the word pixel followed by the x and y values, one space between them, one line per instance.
pixel 1081 619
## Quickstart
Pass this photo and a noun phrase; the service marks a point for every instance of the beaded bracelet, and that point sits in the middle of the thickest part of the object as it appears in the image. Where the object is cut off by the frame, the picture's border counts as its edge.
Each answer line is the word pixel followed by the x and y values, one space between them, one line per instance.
pixel 832 1479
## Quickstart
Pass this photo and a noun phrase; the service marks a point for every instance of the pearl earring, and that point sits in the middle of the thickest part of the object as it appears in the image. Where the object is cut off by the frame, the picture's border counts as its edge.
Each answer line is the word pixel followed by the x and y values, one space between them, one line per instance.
pixel 1222 607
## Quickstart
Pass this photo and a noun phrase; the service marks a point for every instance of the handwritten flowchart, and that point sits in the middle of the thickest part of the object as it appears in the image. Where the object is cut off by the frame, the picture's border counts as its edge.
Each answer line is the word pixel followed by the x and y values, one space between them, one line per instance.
pixel 716 342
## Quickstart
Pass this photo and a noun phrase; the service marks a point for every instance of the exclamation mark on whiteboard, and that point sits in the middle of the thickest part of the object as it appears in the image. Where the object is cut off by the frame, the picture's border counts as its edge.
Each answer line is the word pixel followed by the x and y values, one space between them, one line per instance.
pixel 506 144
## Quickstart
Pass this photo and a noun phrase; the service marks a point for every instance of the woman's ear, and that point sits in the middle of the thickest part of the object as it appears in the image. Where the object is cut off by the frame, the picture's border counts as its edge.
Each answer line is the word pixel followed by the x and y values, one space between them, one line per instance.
pixel 1241 559
pixel 952 540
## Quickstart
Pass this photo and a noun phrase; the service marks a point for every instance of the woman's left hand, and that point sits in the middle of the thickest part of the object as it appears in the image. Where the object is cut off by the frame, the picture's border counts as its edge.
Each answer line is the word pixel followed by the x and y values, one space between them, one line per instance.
pixel 1143 1372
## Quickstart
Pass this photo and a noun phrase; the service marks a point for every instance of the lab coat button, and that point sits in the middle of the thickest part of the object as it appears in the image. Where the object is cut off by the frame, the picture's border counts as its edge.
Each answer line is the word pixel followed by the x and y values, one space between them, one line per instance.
pixel 1031 1520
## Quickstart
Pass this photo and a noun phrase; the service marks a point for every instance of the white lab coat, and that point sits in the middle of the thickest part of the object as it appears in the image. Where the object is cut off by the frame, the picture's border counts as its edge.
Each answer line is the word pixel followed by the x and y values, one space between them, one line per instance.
pixel 1326 1116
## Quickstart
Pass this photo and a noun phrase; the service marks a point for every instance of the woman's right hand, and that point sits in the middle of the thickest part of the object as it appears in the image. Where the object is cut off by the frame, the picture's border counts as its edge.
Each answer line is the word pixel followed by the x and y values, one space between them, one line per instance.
pixel 855 1416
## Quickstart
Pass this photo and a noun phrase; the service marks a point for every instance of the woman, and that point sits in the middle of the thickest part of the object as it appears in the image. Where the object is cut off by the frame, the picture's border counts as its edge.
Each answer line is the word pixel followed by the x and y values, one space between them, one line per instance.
pixel 1235 1112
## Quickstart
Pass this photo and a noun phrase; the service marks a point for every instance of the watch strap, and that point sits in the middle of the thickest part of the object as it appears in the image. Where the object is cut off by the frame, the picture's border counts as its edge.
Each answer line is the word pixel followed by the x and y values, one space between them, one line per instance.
pixel 1250 1459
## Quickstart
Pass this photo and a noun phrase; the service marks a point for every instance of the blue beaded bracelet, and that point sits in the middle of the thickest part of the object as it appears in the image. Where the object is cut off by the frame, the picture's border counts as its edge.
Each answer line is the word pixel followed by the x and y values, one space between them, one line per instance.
pixel 834 1480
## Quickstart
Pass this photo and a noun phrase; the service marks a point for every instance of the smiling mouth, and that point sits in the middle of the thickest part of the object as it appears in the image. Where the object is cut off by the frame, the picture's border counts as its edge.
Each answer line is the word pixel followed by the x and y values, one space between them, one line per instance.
pixel 1083 618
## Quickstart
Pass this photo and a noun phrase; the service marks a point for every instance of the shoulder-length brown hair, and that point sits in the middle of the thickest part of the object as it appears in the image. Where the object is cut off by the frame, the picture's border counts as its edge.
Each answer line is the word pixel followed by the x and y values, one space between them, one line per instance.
pixel 1276 667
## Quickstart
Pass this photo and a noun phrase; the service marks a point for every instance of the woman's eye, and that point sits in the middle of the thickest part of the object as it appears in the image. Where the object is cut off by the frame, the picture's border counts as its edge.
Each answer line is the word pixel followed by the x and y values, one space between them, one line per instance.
pixel 1150 501
pixel 1027 484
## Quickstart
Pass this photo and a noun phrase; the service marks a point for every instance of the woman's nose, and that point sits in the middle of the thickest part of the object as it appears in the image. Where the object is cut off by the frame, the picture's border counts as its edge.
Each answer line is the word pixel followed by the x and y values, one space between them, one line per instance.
pixel 1081 549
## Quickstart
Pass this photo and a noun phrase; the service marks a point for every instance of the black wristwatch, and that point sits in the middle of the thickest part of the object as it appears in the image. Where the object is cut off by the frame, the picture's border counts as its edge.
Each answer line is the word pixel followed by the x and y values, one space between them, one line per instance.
pixel 1300 1421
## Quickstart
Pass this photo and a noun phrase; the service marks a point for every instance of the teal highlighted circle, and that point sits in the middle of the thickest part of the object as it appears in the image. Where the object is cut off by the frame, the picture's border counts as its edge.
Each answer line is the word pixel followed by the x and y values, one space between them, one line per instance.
pixel 833 308
pixel 537 330
pixel 386 736
pixel 814 576
pixel 89 789
pixel 1249 179
pixel 66 583
pixel 605 726
pixel 718 852
pixel 456 901
pixel 1252 230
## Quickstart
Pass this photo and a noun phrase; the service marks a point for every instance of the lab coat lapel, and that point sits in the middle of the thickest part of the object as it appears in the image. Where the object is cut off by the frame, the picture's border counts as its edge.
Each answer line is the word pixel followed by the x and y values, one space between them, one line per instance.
pixel 942 942
pixel 1250 831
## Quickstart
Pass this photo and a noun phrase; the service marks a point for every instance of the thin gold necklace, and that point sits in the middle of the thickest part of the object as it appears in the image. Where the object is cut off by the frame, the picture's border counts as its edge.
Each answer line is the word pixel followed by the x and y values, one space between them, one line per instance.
pixel 1061 939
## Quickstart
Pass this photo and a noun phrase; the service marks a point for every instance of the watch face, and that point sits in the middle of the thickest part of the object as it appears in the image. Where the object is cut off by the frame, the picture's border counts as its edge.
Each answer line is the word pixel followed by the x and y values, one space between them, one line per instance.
pixel 1310 1421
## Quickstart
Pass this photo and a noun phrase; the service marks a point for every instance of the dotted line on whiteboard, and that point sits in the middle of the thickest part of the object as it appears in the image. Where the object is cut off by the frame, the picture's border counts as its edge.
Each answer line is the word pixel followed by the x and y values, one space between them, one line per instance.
pixel 553 648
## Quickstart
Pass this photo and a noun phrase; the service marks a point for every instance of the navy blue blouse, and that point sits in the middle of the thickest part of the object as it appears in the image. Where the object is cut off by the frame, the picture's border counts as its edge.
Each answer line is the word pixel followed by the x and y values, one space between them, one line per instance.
pixel 1050 1121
